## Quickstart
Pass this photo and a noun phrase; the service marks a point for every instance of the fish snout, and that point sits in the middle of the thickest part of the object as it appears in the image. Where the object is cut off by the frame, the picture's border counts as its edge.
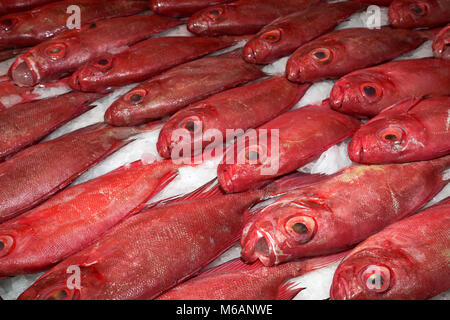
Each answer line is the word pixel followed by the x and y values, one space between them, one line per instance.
pixel 163 146
pixel 225 177
pixel 74 82
pixel 198 26
pixel 249 54
pixel 23 74
pixel 356 150
pixel 293 72
pixel 258 246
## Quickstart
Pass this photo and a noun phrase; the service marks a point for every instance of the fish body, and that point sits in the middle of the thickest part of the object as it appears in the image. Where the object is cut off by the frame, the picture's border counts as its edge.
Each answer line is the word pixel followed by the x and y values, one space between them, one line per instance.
pixel 182 8
pixel 67 52
pixel 406 261
pixel 377 2
pixel 10 53
pixel 77 216
pixel 26 29
pixel 419 13
pixel 334 214
pixel 284 35
pixel 413 130
pixel 28 123
pixel 144 60
pixel 239 108
pixel 180 86
pixel 36 173
pixel 243 16
pixel 340 52
pixel 303 134
pixel 441 44
pixel 235 280
pixel 10 6
pixel 365 93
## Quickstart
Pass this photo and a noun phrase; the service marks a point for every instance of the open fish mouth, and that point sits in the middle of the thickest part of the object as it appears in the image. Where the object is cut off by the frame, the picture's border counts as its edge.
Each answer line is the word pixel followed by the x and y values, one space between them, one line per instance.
pixel 24 73
pixel 259 247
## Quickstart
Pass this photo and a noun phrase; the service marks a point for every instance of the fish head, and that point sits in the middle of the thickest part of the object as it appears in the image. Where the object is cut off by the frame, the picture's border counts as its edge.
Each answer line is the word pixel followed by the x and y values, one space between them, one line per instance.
pixel 441 44
pixel 283 231
pixel 243 164
pixel 207 21
pixel 184 134
pixel 130 108
pixel 9 27
pixel 360 93
pixel 409 13
pixel 262 47
pixel 387 138
pixel 372 274
pixel 91 72
pixel 314 61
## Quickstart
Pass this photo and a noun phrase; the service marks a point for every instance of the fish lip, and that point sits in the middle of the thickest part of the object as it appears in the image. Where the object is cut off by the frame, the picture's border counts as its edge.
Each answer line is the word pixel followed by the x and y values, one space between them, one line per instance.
pixel 74 82
pixel 30 66
pixel 249 54
pixel 259 247
pixel 163 146
pixel 293 71
pixel 224 178
pixel 198 26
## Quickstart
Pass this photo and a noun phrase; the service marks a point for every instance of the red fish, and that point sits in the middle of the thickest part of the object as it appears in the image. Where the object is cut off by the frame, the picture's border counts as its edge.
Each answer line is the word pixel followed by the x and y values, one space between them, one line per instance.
pixel 235 280
pixel 240 108
pixel 413 130
pixel 11 95
pixel 182 8
pixel 365 93
pixel 377 2
pixel 156 249
pixel 36 173
pixel 298 144
pixel 419 13
pixel 28 123
pixel 175 89
pixel 78 216
pixel 25 29
pixel 284 35
pixel 340 52
pixel 243 16
pixel 406 261
pixel 67 52
pixel 10 6
pixel 144 60
pixel 339 212
pixel 441 44
pixel 10 53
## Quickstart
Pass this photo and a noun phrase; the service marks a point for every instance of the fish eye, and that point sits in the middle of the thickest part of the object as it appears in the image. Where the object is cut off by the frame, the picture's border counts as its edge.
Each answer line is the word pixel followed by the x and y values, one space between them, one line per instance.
pixel 392 135
pixel 6 244
pixel 104 64
pixel 376 278
pixel 253 155
pixel 58 293
pixel 193 125
pixel 272 36
pixel 419 9
pixel 215 13
pixel 322 55
pixel 302 228
pixel 93 26
pixel 135 96
pixel 7 24
pixel 56 51
pixel 371 92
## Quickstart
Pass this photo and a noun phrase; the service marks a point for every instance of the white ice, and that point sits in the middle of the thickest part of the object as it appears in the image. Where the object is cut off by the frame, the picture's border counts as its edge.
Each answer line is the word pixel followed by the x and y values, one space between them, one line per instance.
pixel 144 147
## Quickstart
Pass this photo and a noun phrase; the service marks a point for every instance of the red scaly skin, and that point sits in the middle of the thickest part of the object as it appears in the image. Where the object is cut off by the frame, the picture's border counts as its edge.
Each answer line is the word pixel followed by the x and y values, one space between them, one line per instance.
pixel 335 214
pixel 182 8
pixel 236 280
pixel 240 108
pixel 152 251
pixel 67 52
pixel 441 44
pixel 377 2
pixel 340 52
pixel 284 35
pixel 36 173
pixel 243 16
pixel 406 261
pixel 10 53
pixel 28 123
pixel 419 13
pixel 144 60
pixel 10 6
pixel 76 217
pixel 175 89
pixel 11 95
pixel 413 130
pixel 25 29
pixel 365 93
pixel 303 135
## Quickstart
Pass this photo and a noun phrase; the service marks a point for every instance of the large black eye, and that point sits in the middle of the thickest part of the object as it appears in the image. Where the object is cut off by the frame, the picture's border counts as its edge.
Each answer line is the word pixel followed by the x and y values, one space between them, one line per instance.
pixel 376 278
pixel 7 23
pixel 103 62
pixel 6 244
pixel 300 228
pixel 252 155
pixel 190 126
pixel 215 13
pixel 135 96
pixel 417 10
pixel 322 55
pixel 392 134
pixel 370 91
pixel 2 246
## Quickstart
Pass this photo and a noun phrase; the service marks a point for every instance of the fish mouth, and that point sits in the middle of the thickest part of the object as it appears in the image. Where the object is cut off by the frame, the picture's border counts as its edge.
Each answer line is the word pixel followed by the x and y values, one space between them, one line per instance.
pixel 337 97
pixel 356 151
pixel 198 26
pixel 260 248
pixel 293 72
pixel 163 147
pixel 249 54
pixel 24 73
pixel 74 82
pixel 224 177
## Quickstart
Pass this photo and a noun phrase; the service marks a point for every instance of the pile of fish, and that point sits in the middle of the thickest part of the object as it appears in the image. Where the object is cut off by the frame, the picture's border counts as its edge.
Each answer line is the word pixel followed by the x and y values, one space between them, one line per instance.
pixel 206 95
